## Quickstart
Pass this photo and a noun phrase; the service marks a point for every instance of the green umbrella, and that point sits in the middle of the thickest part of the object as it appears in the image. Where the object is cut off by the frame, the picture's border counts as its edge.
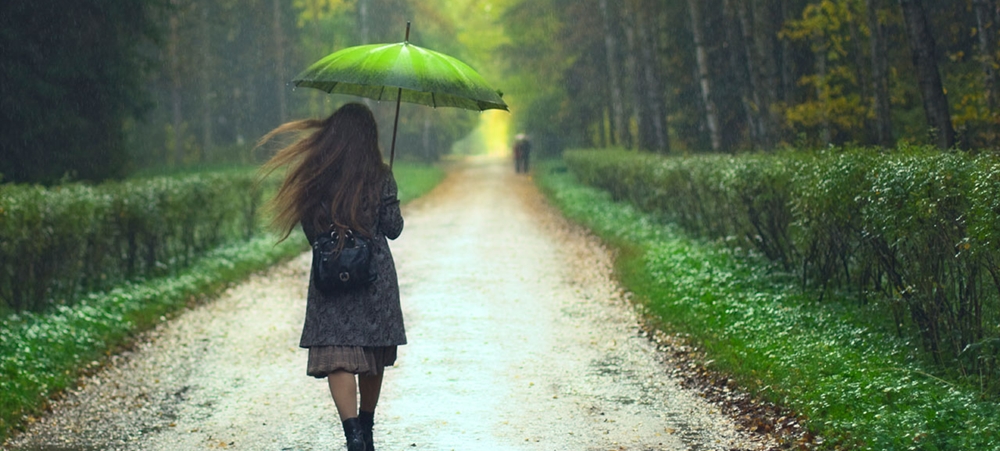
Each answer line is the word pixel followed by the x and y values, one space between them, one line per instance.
pixel 402 72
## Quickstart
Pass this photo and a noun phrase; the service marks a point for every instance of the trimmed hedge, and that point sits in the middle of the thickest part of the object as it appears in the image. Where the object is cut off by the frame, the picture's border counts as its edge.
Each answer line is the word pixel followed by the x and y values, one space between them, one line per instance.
pixel 913 233
pixel 57 244
pixel 43 353
pixel 854 386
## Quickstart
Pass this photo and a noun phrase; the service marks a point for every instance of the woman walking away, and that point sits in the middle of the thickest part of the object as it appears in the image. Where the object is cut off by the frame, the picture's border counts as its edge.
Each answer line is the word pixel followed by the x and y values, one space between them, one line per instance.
pixel 336 180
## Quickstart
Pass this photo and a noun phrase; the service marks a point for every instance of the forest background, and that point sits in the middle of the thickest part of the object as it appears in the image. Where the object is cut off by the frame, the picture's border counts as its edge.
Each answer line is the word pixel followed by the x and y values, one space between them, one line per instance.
pixel 747 114
pixel 101 89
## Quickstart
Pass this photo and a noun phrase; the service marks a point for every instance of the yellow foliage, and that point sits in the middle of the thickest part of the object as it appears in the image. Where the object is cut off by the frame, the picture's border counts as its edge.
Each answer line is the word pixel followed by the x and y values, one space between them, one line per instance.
pixel 316 10
pixel 836 98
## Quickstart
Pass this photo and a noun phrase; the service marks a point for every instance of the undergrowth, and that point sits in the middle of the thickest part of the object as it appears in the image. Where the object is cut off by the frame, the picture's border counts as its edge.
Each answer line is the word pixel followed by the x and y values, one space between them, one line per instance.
pixel 856 387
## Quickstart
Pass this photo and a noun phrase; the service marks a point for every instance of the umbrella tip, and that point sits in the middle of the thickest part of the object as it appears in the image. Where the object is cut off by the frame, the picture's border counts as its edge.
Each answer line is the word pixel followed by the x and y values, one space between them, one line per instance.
pixel 407 31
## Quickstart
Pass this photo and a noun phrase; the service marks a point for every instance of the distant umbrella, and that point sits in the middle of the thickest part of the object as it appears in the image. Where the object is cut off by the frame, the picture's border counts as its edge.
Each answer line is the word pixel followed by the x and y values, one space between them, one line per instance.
pixel 402 72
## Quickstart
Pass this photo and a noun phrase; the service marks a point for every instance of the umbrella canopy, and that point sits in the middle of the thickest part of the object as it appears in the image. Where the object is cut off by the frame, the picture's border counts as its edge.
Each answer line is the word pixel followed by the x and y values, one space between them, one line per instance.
pixel 402 72
pixel 425 77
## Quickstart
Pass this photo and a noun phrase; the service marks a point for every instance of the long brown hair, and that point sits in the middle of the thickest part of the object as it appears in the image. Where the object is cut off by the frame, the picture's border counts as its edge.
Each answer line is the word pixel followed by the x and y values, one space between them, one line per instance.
pixel 339 164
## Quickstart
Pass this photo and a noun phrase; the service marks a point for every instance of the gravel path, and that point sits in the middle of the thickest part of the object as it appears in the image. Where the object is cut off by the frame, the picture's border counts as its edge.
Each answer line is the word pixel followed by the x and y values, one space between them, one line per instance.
pixel 519 340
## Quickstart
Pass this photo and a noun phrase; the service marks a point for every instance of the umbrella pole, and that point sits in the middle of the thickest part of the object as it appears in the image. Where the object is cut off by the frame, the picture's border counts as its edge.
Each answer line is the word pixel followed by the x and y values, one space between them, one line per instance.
pixel 399 98
pixel 392 151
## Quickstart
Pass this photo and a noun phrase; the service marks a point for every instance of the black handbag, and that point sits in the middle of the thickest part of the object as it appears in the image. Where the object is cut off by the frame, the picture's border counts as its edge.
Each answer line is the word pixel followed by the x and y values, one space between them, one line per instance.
pixel 339 268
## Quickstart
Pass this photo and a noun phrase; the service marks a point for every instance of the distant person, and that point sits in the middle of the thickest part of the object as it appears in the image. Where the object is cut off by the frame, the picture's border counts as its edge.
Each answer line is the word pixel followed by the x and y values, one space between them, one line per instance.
pixel 336 178
pixel 522 153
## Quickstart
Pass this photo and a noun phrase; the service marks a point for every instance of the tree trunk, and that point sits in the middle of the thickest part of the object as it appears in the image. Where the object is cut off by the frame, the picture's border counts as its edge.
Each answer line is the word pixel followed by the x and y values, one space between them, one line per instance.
pixel 864 84
pixel 428 151
pixel 986 26
pixel 317 99
pixel 735 36
pixel 757 104
pixel 363 28
pixel 175 85
pixel 603 129
pixel 207 141
pixel 279 61
pixel 701 57
pixel 822 91
pixel 617 132
pixel 766 24
pixel 364 31
pixel 656 119
pixel 238 120
pixel 880 77
pixel 788 82
pixel 634 75
pixel 924 51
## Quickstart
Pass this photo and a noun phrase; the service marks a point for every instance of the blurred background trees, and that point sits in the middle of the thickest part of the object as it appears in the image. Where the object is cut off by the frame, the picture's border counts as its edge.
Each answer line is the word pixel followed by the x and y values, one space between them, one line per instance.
pixel 755 74
pixel 100 89
pixel 226 66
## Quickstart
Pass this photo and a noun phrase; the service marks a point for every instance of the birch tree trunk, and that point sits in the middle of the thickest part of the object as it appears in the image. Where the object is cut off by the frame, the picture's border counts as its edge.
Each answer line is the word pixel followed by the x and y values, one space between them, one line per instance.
pixel 617 133
pixel 279 61
pixel 701 58
pixel 922 46
pixel 880 76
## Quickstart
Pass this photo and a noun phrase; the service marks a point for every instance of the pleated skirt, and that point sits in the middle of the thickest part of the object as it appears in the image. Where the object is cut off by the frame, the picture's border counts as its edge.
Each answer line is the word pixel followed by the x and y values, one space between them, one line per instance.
pixel 369 361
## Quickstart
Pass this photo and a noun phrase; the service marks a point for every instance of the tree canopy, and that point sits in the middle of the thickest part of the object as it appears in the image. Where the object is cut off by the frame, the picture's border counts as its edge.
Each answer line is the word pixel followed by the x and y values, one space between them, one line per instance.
pixel 71 74
pixel 92 90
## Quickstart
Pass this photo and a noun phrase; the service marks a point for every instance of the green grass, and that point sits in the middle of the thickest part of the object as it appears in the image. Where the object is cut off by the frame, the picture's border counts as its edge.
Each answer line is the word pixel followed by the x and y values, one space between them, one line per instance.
pixel 42 354
pixel 415 180
pixel 856 387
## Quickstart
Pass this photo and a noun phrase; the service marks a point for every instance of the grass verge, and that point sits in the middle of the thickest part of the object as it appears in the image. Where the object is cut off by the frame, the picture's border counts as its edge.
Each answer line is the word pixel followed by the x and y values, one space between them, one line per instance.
pixel 415 180
pixel 42 354
pixel 857 388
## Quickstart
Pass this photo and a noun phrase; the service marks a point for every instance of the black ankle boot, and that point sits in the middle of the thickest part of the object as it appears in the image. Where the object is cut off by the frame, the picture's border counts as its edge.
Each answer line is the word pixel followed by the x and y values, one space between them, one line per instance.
pixel 355 435
pixel 367 424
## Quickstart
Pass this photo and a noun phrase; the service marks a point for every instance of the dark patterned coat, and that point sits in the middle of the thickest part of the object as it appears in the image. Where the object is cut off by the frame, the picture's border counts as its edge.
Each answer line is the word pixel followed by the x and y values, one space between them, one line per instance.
pixel 367 316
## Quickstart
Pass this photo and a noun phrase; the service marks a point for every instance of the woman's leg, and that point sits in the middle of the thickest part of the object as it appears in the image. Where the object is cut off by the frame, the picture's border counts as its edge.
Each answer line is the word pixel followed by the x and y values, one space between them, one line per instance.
pixel 371 387
pixel 344 389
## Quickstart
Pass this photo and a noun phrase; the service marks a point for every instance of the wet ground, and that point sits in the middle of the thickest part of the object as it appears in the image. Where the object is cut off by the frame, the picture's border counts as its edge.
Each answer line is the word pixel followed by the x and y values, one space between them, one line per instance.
pixel 519 340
